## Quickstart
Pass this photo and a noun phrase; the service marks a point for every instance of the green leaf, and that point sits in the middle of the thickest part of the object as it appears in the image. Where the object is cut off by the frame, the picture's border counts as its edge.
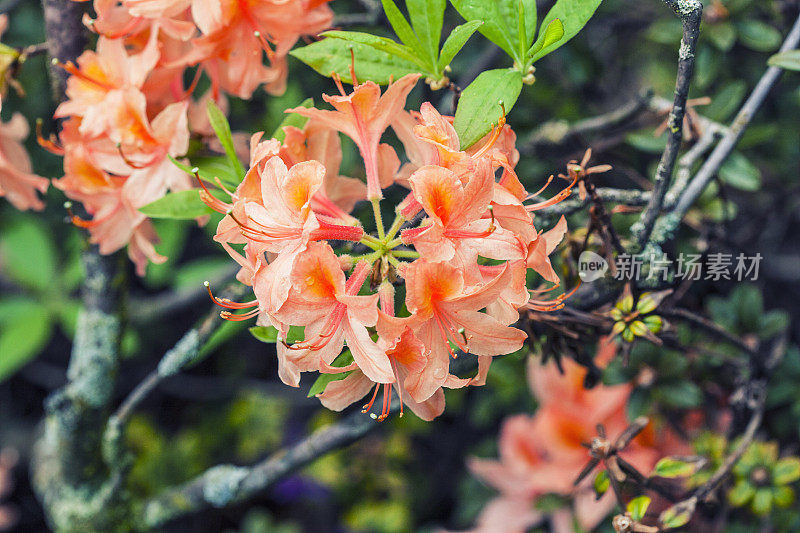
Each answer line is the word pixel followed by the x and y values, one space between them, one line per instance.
pixel 401 26
pixel 759 35
pixel 330 56
pixel 28 254
pixel 647 142
pixel 427 18
pixel 344 359
pixel 787 60
pixel 479 106
pixel 378 43
pixel 674 518
pixel 293 119
pixel 772 323
pixel 723 35
pixel 223 130
pixel 638 403
pixel 179 205
pixel 601 482
pixel 726 101
pixel 786 470
pixel 783 496
pixel 670 467
pixel 23 338
pixel 681 395
pixel 741 493
pixel 637 507
pixel 212 167
pixel 573 14
pixel 502 22
pixel 456 41
pixel 740 173
pixel 762 502
pixel 226 331
pixel 269 334
pixel 553 34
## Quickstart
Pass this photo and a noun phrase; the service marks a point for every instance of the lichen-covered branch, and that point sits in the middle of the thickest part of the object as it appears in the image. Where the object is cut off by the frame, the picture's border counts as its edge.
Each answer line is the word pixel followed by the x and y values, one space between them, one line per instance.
pixel 78 487
pixel 737 128
pixel 223 485
pixel 185 352
pixel 666 225
pixel 690 13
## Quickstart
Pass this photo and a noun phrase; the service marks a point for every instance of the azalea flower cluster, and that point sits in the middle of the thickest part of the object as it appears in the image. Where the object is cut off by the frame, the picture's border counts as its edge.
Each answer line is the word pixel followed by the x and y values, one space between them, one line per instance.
pixel 544 453
pixel 460 248
pixel 128 109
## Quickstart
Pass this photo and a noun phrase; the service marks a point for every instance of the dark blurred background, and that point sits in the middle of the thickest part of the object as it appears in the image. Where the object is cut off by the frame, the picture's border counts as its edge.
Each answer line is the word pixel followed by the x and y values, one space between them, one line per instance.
pixel 409 475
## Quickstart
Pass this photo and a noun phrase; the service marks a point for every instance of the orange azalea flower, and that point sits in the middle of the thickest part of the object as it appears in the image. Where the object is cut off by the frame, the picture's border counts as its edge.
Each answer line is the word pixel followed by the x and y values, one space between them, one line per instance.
pixel 338 194
pixel 443 310
pixel 17 181
pixel 408 358
pixel 363 116
pixel 451 296
pixel 237 34
pixel 461 221
pixel 332 313
pixel 97 79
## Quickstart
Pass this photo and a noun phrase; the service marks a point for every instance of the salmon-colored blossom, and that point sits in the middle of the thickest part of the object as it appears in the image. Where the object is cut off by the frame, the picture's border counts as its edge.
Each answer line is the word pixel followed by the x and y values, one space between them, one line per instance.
pixel 18 183
pixel 544 453
pixel 293 207
pixel 363 116
pixel 236 34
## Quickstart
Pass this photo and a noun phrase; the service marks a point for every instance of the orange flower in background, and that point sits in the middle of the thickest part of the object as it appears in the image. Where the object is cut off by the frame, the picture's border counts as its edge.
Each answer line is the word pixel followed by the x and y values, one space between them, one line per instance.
pixel 544 453
pixel 238 33
pixel 18 183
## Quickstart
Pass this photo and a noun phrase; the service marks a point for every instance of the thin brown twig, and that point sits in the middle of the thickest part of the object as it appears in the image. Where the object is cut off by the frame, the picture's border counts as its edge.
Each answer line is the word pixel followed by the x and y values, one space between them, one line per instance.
pixel 690 13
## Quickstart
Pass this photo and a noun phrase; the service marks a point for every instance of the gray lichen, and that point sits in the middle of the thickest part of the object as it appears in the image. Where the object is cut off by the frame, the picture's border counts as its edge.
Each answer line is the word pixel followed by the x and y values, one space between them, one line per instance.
pixel 93 365
pixel 685 51
pixel 184 352
pixel 221 484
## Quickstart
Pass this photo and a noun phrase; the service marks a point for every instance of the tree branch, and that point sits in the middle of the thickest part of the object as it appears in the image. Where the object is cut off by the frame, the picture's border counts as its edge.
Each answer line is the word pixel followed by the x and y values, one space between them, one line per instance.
pixel 690 13
pixel 185 352
pixel 736 130
pixel 224 485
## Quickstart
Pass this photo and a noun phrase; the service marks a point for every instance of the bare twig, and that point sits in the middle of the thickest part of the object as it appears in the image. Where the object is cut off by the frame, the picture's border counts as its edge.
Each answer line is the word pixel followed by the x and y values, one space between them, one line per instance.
pixel 709 326
pixel 690 13
pixel 185 352
pixel 226 484
pixel 558 132
pixel 710 135
pixel 149 309
pixel 630 197
pixel 736 130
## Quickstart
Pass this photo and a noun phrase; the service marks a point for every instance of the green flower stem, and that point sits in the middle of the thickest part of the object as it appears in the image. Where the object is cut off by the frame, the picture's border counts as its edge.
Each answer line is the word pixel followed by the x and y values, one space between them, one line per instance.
pixel 371 242
pixel 409 254
pixel 398 221
pixel 394 244
pixel 376 209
